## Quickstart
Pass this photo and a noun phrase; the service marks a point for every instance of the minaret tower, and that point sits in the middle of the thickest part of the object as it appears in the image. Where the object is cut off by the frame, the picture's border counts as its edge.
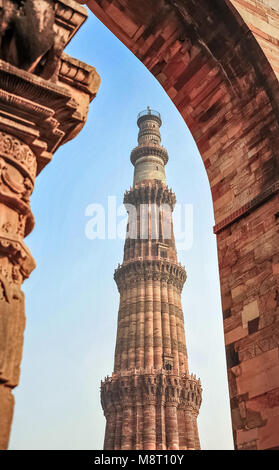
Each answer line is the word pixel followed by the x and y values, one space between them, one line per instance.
pixel 151 401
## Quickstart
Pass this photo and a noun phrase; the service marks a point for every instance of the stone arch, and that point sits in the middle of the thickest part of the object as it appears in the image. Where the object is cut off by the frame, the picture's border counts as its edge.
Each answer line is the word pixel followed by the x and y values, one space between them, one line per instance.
pixel 208 61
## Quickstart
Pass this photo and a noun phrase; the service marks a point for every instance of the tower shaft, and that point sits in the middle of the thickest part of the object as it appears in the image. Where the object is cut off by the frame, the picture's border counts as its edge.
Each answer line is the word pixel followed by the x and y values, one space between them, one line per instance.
pixel 151 401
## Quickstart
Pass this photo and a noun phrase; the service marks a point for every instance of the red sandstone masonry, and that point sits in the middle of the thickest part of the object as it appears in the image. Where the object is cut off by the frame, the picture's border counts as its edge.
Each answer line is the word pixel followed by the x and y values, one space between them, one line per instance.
pixel 150 402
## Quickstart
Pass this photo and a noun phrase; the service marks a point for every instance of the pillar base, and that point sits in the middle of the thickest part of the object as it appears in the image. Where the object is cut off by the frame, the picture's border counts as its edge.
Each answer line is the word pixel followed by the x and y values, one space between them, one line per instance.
pixel 6 415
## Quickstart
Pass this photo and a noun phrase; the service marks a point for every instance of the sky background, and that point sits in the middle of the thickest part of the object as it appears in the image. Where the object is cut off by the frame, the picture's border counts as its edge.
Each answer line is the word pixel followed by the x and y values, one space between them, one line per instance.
pixel 71 298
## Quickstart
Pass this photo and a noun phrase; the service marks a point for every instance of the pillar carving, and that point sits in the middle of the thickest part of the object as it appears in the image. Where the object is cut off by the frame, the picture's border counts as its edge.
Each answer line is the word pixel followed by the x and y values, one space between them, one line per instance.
pixel 196 432
pixel 127 426
pixel 140 324
pixel 190 429
pixel 110 427
pixel 118 428
pixel 149 425
pixel 157 324
pixel 172 425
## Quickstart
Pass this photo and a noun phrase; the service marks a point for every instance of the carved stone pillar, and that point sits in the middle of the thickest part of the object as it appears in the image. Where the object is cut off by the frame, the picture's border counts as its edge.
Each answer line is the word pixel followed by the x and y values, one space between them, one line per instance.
pixel 118 427
pixel 161 421
pixel 190 429
pixel 181 427
pixel 157 324
pixel 172 425
pixel 173 327
pixel 149 431
pixel 148 331
pixel 165 317
pixel 17 172
pixel 132 327
pixel 196 431
pixel 139 417
pixel 140 325
pixel 36 117
pixel 127 425
pixel 125 326
pixel 110 428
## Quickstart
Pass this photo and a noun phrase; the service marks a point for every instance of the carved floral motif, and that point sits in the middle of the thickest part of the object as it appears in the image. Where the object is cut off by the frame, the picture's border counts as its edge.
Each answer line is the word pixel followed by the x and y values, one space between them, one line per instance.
pixel 19 152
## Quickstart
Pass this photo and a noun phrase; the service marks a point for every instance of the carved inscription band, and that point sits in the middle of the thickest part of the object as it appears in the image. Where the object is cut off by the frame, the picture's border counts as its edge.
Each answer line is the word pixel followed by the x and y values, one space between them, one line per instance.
pixel 248 207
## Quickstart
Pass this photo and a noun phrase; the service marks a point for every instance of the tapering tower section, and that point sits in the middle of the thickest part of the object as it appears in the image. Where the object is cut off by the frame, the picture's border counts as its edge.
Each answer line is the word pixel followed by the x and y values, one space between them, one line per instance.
pixel 151 401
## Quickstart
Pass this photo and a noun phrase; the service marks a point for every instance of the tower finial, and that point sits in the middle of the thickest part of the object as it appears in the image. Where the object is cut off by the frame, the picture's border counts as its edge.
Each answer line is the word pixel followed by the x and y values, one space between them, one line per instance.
pixel 149 157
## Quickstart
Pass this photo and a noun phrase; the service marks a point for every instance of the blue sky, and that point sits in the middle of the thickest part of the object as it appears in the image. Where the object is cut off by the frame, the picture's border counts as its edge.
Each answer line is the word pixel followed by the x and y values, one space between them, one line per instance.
pixel 71 298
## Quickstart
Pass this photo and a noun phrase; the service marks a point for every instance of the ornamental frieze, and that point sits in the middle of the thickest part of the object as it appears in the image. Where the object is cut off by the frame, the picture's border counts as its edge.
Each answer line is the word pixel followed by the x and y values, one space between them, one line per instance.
pixel 151 193
pixel 150 150
pixel 19 153
pixel 161 386
pixel 262 341
pixel 165 271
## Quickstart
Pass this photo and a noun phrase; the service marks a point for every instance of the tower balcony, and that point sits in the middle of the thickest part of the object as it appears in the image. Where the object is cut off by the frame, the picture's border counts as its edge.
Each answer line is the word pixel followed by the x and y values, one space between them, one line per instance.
pixel 151 385
pixel 149 114
pixel 151 192
pixel 150 269
pixel 151 150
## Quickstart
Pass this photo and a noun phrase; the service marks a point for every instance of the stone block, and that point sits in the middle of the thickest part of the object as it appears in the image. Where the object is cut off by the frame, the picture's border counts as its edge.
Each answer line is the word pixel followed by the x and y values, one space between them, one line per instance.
pixel 249 312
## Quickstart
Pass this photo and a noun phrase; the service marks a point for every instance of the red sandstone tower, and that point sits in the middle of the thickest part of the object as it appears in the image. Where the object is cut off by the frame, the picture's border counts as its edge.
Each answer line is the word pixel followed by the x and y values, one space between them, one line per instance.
pixel 151 401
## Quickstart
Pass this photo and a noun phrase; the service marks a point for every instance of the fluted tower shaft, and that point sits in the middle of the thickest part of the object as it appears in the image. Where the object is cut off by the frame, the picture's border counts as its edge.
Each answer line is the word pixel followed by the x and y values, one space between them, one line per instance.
pixel 151 401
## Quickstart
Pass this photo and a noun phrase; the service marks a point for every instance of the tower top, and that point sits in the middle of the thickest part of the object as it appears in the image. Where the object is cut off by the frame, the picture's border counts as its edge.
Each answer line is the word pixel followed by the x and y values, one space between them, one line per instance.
pixel 149 157
pixel 149 114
